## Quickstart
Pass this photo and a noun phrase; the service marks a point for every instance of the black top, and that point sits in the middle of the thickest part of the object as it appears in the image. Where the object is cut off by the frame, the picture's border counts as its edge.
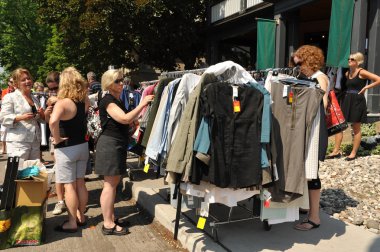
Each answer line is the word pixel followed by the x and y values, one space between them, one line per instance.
pixel 355 83
pixel 74 129
pixel 112 127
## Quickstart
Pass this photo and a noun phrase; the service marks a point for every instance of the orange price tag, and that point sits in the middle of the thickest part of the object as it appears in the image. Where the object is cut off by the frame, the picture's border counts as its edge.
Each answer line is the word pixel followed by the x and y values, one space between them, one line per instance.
pixel 236 106
pixel 290 97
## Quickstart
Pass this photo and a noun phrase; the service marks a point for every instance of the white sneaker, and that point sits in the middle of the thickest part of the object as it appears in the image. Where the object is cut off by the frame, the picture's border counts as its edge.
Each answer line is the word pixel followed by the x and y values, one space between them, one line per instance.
pixel 59 207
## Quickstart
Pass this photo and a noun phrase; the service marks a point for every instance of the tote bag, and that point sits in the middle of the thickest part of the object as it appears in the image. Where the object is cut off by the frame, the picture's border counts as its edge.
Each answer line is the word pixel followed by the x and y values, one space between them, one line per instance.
pixel 334 117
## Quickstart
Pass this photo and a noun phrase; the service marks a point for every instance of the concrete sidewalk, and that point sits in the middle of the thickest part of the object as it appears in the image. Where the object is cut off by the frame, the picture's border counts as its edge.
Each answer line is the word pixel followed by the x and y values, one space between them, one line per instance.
pixel 332 235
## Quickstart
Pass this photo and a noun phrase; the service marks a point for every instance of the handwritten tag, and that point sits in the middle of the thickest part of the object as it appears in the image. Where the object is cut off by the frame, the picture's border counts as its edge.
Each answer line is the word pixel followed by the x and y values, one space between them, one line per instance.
pixel 201 223
pixel 146 168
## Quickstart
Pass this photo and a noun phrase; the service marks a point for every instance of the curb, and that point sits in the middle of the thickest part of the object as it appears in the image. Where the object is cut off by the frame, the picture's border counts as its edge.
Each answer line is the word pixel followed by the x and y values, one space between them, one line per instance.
pixel 190 237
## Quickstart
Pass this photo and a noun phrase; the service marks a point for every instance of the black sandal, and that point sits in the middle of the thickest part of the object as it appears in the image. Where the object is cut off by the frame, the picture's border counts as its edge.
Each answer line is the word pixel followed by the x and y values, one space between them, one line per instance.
pixel 65 230
pixel 81 224
pixel 302 228
pixel 113 231
pixel 122 223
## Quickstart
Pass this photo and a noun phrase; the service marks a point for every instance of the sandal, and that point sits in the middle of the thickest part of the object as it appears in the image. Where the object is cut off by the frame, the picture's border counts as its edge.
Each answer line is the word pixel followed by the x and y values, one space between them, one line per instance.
pixel 113 231
pixel 122 223
pixel 65 230
pixel 81 224
pixel 301 227
pixel 332 156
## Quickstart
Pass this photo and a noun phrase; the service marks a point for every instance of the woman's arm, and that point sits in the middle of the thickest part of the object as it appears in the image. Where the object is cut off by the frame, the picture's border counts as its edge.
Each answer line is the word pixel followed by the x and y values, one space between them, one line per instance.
pixel 58 112
pixel 370 76
pixel 126 118
pixel 323 81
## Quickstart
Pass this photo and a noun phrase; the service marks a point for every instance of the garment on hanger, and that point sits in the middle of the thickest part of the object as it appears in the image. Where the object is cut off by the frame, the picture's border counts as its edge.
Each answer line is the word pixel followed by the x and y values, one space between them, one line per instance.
pixel 180 158
pixel 292 125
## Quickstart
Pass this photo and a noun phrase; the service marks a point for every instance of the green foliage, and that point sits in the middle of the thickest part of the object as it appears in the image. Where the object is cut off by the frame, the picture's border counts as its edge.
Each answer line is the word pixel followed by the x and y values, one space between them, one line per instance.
pixel 98 33
pixel 55 57
pixel 346 149
pixel 368 129
pixel 376 150
pixel 22 38
pixel 330 148
pixel 4 76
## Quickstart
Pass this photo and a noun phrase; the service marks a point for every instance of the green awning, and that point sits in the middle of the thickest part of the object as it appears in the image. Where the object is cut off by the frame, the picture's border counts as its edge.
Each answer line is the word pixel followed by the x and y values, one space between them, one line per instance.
pixel 266 43
pixel 339 47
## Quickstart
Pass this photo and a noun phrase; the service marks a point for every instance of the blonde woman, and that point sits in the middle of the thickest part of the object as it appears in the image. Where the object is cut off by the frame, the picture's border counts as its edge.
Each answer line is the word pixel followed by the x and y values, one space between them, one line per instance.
pixel 111 162
pixel 354 106
pixel 68 129
pixel 21 113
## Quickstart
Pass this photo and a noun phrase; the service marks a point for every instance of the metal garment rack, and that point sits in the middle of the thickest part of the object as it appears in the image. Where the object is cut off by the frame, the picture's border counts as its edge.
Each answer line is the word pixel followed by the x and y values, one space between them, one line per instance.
pixel 214 224
pixel 148 82
pixel 177 74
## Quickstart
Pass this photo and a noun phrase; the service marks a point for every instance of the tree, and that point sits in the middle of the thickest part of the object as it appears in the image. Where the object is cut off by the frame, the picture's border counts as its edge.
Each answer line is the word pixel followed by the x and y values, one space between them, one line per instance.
pixel 55 55
pixel 98 33
pixel 22 38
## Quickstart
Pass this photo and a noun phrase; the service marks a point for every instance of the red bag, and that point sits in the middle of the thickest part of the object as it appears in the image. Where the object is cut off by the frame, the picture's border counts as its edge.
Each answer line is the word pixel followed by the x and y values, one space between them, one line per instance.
pixel 334 117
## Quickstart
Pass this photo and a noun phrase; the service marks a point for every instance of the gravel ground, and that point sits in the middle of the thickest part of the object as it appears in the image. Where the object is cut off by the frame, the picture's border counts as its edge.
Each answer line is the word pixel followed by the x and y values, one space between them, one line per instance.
pixel 351 190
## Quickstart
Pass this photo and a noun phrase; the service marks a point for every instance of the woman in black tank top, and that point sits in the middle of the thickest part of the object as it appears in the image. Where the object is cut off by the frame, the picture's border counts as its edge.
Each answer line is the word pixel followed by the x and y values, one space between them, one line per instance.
pixel 68 128
pixel 354 106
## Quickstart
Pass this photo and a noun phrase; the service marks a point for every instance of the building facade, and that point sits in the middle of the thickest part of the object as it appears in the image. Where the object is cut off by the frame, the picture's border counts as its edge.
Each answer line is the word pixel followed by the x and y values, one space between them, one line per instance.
pixel 232 32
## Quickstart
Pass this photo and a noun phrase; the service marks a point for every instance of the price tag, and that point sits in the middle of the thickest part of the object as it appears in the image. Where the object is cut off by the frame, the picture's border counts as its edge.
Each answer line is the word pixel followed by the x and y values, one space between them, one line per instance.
pixel 285 91
pixel 234 91
pixel 267 203
pixel 290 99
pixel 201 223
pixel 146 168
pixel 236 106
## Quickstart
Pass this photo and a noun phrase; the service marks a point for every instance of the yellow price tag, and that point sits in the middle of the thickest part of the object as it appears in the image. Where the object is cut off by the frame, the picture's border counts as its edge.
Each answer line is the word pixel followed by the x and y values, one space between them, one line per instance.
pixel 146 168
pixel 201 223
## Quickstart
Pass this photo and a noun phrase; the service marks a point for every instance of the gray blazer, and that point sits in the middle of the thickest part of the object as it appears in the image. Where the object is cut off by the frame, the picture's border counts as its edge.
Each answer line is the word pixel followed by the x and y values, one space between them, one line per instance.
pixel 24 131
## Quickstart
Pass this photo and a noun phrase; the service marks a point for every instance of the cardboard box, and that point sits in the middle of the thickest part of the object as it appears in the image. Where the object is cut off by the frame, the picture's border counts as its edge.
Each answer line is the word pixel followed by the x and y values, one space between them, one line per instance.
pixel 32 192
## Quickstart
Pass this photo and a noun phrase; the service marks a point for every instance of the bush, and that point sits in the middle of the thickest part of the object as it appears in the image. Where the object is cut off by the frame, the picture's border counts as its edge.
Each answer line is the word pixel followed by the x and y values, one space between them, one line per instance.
pixel 368 129
pixel 376 150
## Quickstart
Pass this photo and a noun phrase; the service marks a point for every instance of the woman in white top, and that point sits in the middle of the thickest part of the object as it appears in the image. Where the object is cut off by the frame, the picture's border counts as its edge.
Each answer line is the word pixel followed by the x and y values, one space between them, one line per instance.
pixel 21 113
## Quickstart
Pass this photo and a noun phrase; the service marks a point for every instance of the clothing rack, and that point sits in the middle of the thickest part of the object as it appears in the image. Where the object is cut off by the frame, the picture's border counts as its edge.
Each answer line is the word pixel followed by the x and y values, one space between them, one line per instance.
pixel 148 82
pixel 295 72
pixel 177 74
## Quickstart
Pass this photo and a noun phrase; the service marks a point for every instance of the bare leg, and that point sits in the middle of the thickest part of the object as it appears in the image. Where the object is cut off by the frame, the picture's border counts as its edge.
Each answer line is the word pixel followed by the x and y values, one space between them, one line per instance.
pixel 83 198
pixel 72 203
pixel 357 138
pixel 4 145
pixel 107 200
pixel 338 142
pixel 314 198
pixel 60 190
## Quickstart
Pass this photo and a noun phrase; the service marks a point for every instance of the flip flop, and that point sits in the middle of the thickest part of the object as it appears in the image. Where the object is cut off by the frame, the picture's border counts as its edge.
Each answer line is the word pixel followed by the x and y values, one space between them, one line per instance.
pixel 81 224
pixel 300 226
pixel 65 230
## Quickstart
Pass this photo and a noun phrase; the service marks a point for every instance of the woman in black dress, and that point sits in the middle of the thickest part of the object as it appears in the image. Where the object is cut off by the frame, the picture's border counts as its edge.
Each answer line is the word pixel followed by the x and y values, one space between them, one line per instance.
pixel 111 148
pixel 354 106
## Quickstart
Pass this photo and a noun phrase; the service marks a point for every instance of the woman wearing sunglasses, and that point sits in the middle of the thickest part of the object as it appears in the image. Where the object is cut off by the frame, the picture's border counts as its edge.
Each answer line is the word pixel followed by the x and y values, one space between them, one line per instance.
pixel 354 106
pixel 111 147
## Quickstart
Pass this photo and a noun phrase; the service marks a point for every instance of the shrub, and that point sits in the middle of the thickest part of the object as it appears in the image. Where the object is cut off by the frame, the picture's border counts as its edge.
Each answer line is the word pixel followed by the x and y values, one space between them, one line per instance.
pixel 368 129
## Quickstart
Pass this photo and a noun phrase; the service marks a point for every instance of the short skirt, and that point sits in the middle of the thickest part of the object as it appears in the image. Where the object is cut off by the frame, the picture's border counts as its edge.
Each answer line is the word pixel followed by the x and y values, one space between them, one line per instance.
pixel 354 108
pixel 111 156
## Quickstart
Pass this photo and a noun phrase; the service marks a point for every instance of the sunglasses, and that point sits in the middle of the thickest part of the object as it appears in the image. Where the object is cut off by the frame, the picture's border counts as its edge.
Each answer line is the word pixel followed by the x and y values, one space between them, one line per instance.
pixel 298 64
pixel 53 89
pixel 351 59
pixel 118 81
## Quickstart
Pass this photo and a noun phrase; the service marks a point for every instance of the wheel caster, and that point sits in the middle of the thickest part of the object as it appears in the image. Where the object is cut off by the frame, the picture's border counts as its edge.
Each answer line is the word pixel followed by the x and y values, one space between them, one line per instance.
pixel 266 225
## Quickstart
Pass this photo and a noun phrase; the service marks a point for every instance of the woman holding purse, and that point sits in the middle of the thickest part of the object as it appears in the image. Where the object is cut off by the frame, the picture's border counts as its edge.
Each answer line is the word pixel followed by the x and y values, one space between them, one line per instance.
pixel 354 106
